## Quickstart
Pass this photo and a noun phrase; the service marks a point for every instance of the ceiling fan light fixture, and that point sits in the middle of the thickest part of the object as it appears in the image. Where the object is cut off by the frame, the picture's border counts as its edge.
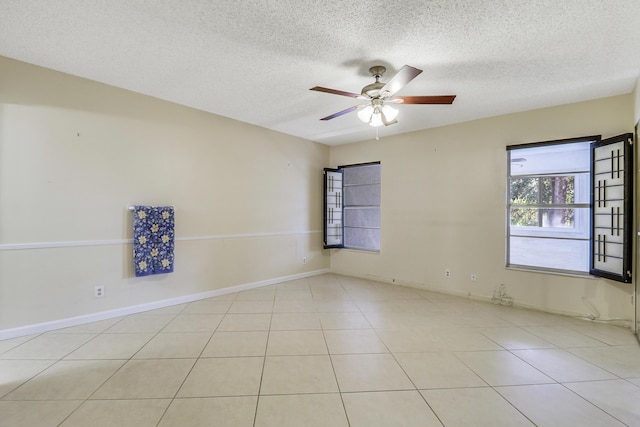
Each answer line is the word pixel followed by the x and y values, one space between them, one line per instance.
pixel 390 113
pixel 376 119
pixel 365 114
pixel 378 114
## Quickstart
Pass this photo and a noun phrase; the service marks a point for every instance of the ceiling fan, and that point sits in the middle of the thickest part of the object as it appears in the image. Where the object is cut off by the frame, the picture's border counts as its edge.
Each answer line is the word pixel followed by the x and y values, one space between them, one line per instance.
pixel 377 111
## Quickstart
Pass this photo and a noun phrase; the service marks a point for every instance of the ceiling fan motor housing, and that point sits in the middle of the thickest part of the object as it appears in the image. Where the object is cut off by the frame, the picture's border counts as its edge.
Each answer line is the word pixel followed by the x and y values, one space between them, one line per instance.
pixel 373 90
pixel 377 71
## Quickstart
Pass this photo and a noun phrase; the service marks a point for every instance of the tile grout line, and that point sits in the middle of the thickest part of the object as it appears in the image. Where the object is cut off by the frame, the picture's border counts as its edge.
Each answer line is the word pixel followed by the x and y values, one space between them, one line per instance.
pixel 407 375
pixel 592 403
pixel 172 399
pixel 335 377
pixel 264 361
pixel 125 361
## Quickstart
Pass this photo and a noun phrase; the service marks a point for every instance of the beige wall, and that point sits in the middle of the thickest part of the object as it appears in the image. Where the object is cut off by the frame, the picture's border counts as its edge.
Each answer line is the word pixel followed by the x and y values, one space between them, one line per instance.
pixel 443 206
pixel 74 154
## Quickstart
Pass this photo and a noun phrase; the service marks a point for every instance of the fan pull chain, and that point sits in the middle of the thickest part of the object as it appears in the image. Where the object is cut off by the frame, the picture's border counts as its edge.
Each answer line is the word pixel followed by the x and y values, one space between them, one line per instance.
pixel 377 138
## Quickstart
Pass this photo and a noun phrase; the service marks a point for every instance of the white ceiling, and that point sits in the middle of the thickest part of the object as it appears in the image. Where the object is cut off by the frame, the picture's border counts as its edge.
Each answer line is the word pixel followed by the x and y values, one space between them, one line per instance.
pixel 255 60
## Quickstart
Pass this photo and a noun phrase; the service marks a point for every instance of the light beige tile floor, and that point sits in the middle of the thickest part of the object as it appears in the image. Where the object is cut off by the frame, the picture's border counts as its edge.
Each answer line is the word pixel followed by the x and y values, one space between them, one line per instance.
pixel 329 351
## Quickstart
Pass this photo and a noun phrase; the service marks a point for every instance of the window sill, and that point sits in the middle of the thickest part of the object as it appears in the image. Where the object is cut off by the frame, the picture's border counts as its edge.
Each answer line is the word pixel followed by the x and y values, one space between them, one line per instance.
pixel 366 251
pixel 553 272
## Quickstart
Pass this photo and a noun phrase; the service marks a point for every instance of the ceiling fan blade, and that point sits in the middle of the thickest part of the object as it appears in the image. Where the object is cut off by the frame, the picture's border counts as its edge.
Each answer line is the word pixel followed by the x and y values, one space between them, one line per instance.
pixel 337 92
pixel 401 78
pixel 438 99
pixel 341 113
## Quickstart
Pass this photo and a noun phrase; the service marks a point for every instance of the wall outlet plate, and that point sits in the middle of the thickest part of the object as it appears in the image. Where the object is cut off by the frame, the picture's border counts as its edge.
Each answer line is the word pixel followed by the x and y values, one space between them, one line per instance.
pixel 99 291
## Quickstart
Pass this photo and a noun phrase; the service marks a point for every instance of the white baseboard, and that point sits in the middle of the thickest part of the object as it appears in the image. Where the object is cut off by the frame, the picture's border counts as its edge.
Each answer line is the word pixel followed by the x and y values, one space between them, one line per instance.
pixel 40 328
pixel 627 323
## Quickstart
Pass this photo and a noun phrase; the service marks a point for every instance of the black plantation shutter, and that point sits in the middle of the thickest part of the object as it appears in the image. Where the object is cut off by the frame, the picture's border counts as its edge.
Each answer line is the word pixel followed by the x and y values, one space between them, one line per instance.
pixel 612 201
pixel 333 206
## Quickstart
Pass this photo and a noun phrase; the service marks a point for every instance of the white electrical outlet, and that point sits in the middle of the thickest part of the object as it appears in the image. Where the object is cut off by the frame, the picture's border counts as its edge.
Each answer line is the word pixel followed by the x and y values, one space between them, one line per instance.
pixel 304 259
pixel 99 291
pixel 447 273
pixel 474 277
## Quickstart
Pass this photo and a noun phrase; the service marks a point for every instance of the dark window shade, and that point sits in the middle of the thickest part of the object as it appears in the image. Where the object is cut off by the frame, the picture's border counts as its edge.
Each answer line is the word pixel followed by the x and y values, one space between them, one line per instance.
pixel 359 175
pixel 362 195
pixel 362 217
pixel 362 238
pixel 362 207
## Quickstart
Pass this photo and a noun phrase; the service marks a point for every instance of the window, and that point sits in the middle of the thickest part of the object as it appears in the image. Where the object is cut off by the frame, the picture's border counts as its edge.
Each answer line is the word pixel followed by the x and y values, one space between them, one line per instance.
pixel 549 204
pixel 352 207
pixel 569 206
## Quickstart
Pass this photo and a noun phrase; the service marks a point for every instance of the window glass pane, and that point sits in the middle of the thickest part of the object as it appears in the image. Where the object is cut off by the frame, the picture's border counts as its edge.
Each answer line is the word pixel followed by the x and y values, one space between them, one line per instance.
pixel 525 217
pixel 524 190
pixel 542 217
pixel 561 217
pixel 558 254
pixel 572 228
pixel 540 234
pixel 557 189
pixel 551 159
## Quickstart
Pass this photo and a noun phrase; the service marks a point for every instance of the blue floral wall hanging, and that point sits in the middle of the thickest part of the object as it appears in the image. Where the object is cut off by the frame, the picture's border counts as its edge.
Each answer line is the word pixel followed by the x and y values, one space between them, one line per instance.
pixel 153 239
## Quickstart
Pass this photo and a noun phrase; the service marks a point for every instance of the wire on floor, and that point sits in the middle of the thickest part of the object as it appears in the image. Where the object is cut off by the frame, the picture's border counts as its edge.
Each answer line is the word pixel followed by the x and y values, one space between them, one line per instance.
pixel 500 297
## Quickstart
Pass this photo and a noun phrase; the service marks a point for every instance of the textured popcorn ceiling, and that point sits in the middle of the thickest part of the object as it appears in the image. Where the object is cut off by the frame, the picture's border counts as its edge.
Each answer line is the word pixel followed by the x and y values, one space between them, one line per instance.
pixel 255 61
